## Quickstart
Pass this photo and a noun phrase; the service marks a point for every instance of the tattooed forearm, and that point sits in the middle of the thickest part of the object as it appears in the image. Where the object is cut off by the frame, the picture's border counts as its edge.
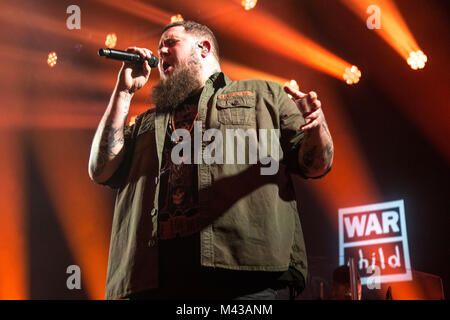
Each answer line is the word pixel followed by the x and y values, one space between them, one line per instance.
pixel 308 157
pixel 100 165
pixel 328 155
pixel 315 157
pixel 325 128
pixel 109 146
pixel 112 137
pixel 108 143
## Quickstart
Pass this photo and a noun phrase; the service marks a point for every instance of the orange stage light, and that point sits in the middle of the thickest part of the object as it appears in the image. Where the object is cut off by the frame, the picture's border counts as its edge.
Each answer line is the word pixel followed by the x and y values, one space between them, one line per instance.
pixel 352 75
pixel 111 40
pixel 176 18
pixel 248 4
pixel 51 60
pixel 417 60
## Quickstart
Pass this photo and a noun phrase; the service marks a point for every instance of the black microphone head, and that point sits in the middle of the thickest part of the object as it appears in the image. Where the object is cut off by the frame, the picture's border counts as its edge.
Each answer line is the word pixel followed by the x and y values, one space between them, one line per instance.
pixel 153 61
pixel 103 52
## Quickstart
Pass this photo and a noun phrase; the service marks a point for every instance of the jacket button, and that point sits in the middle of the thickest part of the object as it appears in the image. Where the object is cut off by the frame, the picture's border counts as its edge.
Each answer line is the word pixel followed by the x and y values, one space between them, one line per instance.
pixel 153 212
pixel 156 180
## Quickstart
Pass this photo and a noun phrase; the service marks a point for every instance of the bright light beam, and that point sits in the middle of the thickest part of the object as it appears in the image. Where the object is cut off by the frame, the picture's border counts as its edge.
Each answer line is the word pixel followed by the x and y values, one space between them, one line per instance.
pixel 268 32
pixel 393 29
pixel 239 72
pixel 262 29
pixel 43 23
pixel 140 9
pixel 83 218
pixel 14 262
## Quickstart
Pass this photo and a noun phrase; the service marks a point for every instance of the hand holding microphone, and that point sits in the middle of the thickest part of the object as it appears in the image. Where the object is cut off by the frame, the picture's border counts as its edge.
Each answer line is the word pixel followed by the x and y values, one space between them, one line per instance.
pixel 136 68
pixel 129 56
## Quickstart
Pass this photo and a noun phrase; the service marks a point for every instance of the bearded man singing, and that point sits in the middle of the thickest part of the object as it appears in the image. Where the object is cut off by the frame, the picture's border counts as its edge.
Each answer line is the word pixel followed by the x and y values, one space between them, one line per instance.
pixel 199 229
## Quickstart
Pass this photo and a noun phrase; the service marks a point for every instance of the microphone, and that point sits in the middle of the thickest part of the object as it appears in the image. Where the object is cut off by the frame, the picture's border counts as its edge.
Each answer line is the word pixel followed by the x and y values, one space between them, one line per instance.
pixel 128 56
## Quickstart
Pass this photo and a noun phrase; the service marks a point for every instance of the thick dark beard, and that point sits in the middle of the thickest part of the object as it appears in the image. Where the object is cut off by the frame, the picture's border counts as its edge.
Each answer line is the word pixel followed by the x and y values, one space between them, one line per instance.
pixel 171 92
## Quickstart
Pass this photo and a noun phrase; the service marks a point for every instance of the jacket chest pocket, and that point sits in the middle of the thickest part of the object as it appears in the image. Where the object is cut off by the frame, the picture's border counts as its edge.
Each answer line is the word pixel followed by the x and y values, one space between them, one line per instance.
pixel 238 110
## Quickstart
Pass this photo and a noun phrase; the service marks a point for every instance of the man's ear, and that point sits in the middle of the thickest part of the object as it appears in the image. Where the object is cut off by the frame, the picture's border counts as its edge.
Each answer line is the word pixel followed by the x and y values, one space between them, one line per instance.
pixel 205 45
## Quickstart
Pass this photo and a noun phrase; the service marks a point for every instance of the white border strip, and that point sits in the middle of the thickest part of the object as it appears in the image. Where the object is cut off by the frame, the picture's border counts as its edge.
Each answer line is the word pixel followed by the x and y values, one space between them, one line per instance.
pixel 372 241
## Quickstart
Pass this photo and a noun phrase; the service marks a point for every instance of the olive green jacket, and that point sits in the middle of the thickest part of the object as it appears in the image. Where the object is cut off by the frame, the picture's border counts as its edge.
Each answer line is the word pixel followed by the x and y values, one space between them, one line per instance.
pixel 249 221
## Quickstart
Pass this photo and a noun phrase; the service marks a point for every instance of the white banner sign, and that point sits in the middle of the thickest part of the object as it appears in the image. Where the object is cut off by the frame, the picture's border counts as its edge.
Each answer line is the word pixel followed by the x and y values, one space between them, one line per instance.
pixel 375 236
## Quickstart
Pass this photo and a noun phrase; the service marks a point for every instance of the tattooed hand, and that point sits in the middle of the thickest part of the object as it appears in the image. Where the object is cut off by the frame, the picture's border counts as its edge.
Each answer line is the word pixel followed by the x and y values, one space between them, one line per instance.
pixel 316 152
pixel 309 106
